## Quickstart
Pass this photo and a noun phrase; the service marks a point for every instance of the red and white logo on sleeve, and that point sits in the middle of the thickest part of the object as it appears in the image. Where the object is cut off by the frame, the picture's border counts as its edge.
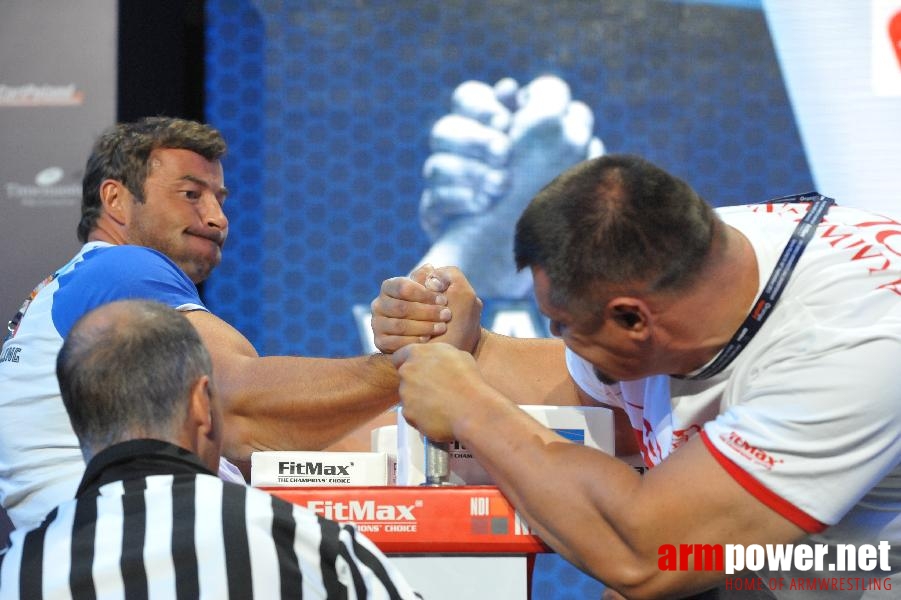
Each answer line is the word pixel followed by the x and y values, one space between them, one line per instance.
pixel 749 451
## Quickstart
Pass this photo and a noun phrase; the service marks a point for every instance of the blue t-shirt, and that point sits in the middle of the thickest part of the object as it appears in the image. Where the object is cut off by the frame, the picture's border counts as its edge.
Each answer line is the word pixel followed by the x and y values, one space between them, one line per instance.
pixel 40 460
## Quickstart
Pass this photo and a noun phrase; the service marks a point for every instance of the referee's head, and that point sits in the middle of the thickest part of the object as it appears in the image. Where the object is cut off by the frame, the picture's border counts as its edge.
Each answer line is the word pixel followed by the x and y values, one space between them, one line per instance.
pixel 136 369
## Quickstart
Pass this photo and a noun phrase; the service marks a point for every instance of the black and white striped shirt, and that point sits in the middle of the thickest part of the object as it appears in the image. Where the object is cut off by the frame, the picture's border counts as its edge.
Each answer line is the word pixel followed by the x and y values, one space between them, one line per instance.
pixel 150 521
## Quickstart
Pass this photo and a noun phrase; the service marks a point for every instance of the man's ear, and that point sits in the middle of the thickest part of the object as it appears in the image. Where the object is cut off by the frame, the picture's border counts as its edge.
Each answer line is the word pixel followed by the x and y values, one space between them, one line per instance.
pixel 630 314
pixel 204 423
pixel 115 199
pixel 200 409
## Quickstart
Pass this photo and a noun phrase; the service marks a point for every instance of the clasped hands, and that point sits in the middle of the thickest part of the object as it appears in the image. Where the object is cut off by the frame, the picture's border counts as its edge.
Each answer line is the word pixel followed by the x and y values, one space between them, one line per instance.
pixel 430 324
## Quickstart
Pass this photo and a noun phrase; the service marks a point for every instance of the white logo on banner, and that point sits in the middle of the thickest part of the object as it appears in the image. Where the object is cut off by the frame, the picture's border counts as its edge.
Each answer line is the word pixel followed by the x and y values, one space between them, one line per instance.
pixel 31 94
pixel 885 53
pixel 49 176
pixel 48 189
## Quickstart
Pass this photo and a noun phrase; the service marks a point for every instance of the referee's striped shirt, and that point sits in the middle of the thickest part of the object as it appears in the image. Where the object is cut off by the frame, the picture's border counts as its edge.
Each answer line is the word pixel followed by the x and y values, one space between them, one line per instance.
pixel 150 521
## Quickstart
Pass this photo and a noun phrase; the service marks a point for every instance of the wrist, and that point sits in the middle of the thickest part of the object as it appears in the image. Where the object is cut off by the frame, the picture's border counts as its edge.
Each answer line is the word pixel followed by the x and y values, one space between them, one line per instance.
pixel 476 348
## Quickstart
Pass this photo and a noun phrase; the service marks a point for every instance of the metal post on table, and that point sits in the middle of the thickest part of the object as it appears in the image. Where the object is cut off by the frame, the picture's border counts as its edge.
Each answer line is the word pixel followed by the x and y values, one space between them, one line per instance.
pixel 437 462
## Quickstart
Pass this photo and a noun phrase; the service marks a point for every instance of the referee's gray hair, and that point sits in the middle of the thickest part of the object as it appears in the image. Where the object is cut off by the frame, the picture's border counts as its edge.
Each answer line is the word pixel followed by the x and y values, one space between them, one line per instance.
pixel 125 371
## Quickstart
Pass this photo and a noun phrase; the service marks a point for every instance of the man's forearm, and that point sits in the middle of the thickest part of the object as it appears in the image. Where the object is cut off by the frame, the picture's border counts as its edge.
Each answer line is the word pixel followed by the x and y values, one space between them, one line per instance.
pixel 290 402
pixel 553 483
pixel 528 371
pixel 293 403
pixel 599 514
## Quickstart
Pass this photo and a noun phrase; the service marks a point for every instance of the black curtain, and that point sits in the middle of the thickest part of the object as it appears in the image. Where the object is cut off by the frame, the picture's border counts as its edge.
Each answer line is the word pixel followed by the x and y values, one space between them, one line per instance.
pixel 161 59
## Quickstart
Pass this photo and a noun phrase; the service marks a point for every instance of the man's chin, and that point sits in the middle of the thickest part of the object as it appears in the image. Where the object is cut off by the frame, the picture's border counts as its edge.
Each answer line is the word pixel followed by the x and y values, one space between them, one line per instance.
pixel 204 275
pixel 198 272
pixel 604 378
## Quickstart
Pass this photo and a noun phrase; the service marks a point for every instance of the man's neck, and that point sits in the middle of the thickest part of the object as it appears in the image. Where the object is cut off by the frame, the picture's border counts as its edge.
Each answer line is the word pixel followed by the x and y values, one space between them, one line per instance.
pixel 105 232
pixel 135 458
pixel 700 321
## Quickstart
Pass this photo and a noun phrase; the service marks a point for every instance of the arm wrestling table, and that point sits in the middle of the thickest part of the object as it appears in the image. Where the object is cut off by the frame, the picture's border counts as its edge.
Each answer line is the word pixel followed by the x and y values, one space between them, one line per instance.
pixel 450 542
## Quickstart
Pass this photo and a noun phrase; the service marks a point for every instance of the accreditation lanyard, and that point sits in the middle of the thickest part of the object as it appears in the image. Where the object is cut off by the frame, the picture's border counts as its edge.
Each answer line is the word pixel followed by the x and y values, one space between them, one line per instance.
pixel 774 287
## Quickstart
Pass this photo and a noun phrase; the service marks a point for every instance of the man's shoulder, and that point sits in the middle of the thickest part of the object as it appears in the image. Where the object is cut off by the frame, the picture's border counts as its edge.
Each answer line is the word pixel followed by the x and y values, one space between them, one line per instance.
pixel 104 273
pixel 128 267
pixel 125 258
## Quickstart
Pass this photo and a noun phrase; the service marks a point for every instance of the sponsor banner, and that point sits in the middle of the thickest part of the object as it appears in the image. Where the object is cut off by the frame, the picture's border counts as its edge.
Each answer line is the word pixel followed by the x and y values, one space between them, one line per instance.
pixel 57 92
pixel 32 94
pixel 295 469
pixel 451 519
pixel 51 186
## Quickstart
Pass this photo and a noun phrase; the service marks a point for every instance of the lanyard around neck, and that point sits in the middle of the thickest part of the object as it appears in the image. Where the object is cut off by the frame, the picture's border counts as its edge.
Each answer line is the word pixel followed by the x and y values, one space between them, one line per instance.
pixel 774 287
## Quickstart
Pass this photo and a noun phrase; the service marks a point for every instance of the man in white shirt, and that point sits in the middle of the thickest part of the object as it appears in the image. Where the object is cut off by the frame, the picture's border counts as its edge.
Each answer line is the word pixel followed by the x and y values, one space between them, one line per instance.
pixel 750 352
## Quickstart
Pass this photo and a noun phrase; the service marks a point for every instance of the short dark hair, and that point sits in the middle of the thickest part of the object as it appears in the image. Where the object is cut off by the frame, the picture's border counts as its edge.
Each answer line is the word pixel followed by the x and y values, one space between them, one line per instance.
pixel 130 373
pixel 614 220
pixel 122 153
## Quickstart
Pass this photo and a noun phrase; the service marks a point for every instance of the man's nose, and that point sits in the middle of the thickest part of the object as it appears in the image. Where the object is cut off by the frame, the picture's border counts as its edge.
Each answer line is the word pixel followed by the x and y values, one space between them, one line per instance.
pixel 214 216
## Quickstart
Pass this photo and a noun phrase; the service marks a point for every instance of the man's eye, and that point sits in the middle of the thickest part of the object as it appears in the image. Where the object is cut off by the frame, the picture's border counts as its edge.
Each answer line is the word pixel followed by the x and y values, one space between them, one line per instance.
pixel 191 195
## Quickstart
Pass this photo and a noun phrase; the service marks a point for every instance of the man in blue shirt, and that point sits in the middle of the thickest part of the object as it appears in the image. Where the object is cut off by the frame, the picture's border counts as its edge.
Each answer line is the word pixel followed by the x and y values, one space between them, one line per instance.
pixel 154 225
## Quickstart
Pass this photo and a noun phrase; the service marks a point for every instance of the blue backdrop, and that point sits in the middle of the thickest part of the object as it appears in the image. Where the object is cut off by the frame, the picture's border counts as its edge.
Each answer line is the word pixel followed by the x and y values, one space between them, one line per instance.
pixel 327 107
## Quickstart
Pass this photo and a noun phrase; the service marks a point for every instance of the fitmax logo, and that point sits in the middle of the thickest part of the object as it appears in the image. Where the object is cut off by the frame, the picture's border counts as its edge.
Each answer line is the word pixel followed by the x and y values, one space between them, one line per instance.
pixel 312 468
pixel 365 511
pixel 749 451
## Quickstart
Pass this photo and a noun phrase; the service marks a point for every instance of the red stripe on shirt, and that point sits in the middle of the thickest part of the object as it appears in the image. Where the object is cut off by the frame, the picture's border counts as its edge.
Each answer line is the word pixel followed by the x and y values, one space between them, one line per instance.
pixel 762 493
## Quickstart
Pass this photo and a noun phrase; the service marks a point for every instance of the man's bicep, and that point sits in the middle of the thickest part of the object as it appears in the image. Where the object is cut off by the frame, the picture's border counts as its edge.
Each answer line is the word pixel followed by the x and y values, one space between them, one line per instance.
pixel 221 339
pixel 687 502
pixel 706 504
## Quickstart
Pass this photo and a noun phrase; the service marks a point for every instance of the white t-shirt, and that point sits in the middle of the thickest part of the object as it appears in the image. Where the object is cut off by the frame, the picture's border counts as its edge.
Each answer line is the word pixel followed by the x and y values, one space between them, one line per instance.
pixel 40 461
pixel 808 417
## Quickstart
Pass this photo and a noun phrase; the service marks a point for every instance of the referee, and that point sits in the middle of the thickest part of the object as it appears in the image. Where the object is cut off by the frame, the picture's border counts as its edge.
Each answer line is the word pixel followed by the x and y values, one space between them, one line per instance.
pixel 150 518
